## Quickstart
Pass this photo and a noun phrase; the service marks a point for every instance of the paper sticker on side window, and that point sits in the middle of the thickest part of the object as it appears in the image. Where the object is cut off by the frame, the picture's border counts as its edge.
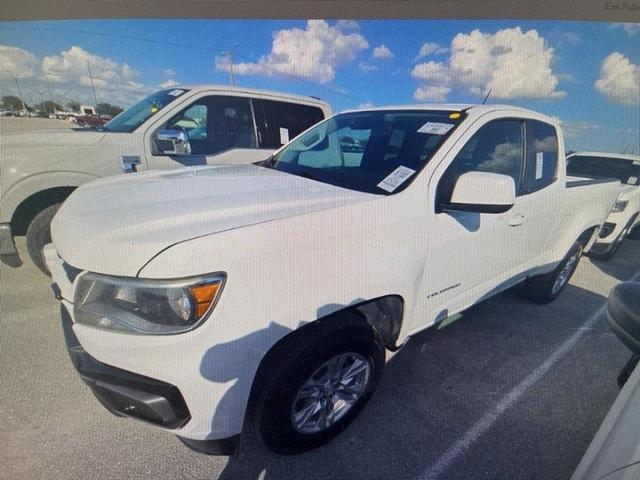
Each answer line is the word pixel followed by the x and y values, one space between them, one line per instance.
pixel 435 128
pixel 395 179
pixel 539 164
pixel 176 92
pixel 632 180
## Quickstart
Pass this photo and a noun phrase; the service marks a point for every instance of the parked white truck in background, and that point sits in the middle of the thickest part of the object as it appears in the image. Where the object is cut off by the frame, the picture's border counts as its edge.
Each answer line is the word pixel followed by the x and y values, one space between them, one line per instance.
pixel 195 299
pixel 625 215
pixel 169 129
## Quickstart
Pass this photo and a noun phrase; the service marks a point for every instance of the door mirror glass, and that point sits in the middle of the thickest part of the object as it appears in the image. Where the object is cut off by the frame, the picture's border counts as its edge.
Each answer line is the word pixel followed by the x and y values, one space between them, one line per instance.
pixel 483 192
pixel 173 142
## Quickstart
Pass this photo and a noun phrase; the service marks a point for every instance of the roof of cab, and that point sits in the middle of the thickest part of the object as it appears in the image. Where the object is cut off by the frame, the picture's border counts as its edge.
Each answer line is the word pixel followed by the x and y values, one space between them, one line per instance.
pixel 477 109
pixel 621 156
pixel 252 91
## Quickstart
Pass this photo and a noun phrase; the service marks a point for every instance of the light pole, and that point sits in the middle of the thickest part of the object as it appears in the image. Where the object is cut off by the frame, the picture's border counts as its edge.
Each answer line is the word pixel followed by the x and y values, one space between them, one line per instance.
pixel 19 91
pixel 229 55
pixel 44 105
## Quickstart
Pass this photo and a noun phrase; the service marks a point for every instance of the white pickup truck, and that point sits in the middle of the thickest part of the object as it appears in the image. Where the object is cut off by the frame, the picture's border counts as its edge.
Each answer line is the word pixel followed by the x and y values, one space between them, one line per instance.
pixel 197 298
pixel 625 215
pixel 171 128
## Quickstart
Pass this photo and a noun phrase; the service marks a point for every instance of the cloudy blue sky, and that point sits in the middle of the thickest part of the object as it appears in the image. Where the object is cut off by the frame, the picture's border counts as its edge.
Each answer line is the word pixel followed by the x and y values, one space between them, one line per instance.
pixel 586 74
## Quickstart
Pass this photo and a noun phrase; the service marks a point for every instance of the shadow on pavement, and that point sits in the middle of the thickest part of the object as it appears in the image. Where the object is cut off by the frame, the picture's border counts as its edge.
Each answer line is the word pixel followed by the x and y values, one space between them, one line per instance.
pixel 444 380
pixel 625 263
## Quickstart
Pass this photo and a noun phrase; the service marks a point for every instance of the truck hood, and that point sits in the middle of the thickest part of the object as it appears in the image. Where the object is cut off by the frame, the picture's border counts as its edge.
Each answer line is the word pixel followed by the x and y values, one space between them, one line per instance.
pixel 51 137
pixel 116 225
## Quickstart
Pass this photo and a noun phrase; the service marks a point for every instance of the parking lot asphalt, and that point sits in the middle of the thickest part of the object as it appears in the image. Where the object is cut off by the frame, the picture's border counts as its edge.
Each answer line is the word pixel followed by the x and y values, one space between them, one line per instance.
pixel 511 390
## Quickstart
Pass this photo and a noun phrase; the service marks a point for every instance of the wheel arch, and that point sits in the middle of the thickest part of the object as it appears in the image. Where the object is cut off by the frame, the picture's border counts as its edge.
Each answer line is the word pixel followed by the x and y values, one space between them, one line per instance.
pixel 28 208
pixel 382 315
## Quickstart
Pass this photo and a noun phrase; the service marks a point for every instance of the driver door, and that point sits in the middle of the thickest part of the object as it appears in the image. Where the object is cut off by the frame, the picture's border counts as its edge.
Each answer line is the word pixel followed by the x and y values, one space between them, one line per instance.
pixel 220 129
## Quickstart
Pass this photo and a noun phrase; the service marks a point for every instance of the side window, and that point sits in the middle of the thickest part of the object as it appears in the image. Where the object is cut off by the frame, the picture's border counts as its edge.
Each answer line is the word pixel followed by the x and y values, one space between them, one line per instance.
pixel 279 122
pixel 231 124
pixel 193 120
pixel 216 123
pixel 497 147
pixel 542 156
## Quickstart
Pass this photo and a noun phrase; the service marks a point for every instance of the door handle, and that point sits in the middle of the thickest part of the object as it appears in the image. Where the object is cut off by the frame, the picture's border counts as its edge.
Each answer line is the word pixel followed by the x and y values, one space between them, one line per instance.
pixel 517 219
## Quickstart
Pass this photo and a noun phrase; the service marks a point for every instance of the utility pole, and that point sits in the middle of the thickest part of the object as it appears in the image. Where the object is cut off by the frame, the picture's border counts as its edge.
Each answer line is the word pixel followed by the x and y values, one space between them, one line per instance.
pixel 95 99
pixel 19 91
pixel 229 55
pixel 44 105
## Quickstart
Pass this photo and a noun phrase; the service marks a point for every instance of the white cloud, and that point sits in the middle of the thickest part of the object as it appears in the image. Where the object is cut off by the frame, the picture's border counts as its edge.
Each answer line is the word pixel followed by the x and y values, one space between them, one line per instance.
pixel 367 67
pixel 573 38
pixel 430 48
pixel 367 104
pixel 314 53
pixel 630 28
pixel 16 61
pixel 168 83
pixel 619 80
pixel 66 76
pixel 170 79
pixel 73 66
pixel 382 52
pixel 431 94
pixel 576 129
pixel 512 63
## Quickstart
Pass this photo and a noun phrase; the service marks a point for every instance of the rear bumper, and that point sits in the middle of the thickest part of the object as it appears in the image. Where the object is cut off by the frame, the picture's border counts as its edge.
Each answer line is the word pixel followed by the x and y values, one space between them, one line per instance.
pixel 7 246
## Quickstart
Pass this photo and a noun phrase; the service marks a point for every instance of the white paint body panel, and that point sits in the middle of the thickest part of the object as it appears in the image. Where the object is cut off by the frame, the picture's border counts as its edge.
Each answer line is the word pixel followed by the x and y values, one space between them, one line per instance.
pixel 294 251
pixel 628 193
pixel 39 160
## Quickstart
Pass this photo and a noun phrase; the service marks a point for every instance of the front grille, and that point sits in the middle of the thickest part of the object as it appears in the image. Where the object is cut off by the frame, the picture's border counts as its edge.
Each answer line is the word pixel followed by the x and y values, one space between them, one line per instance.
pixel 72 272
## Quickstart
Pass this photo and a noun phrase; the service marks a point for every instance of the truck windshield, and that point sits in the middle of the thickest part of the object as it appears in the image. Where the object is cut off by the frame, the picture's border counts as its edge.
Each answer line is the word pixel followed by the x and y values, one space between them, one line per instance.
pixel 378 151
pixel 625 170
pixel 132 118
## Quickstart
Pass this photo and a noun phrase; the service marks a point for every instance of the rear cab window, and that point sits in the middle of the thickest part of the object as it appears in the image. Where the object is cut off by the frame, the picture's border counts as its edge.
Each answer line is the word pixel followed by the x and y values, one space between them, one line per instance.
pixel 541 163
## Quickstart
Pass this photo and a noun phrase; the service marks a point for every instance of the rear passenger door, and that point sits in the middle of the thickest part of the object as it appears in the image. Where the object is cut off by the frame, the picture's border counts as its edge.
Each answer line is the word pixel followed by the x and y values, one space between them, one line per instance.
pixel 278 122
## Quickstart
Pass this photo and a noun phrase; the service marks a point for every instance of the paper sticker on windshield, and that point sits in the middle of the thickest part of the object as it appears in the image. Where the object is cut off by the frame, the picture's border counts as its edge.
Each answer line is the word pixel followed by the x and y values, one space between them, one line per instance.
pixel 395 179
pixel 435 128
pixel 284 136
pixel 632 180
pixel 175 93
pixel 539 163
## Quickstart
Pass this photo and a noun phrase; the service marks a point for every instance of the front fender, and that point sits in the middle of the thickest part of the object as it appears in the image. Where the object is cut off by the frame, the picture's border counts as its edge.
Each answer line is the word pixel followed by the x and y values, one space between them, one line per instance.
pixel 33 184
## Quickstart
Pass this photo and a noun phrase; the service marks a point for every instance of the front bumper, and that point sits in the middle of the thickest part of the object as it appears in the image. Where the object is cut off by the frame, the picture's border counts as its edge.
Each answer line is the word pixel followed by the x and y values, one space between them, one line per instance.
pixel 125 393
pixel 159 379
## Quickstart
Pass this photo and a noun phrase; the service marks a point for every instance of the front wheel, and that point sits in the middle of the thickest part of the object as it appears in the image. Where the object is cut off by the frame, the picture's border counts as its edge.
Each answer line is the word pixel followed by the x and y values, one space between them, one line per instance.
pixel 545 288
pixel 39 234
pixel 319 388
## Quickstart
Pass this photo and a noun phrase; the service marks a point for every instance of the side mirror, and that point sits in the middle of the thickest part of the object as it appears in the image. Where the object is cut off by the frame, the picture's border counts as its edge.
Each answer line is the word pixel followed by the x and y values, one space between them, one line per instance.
pixel 173 142
pixel 482 192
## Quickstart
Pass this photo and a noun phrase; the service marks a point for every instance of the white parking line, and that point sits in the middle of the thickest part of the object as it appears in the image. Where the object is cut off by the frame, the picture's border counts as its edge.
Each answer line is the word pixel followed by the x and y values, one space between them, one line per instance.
pixel 487 421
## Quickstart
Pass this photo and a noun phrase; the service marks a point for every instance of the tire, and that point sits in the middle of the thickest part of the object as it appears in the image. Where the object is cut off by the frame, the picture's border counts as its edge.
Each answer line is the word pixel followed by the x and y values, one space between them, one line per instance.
pixel 39 234
pixel 545 288
pixel 302 356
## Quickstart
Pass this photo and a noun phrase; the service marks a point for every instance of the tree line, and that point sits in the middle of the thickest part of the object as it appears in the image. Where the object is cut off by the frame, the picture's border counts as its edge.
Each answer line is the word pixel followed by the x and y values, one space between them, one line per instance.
pixel 11 102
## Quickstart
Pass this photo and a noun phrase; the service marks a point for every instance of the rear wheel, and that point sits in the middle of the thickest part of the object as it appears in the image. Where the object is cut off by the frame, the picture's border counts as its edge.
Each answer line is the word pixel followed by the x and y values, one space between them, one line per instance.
pixel 39 234
pixel 319 387
pixel 616 244
pixel 547 287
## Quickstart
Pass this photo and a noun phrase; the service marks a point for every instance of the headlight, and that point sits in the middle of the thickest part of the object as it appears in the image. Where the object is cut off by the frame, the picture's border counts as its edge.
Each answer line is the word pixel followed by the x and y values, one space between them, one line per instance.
pixel 620 206
pixel 145 306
